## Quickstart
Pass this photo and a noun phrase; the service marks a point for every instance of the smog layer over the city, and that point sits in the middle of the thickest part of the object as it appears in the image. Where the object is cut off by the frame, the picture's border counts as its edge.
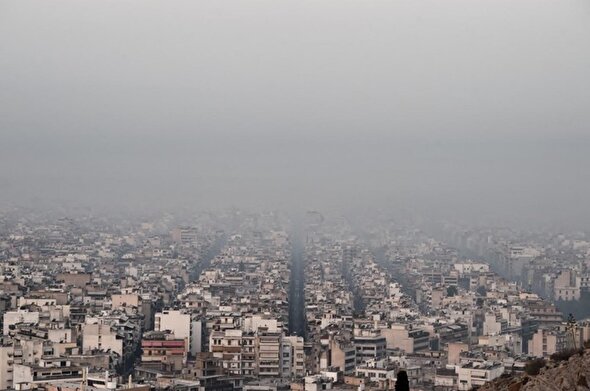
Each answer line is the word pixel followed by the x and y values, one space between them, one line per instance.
pixel 474 108
pixel 257 195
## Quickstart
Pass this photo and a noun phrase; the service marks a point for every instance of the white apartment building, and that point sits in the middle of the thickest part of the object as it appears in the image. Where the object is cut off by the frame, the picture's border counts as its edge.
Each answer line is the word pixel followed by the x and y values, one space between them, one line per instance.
pixel 567 286
pixel 183 326
pixel 102 337
pixel 476 374
pixel 406 338
pixel 293 356
pixel 546 342
pixel 6 366
pixel 13 317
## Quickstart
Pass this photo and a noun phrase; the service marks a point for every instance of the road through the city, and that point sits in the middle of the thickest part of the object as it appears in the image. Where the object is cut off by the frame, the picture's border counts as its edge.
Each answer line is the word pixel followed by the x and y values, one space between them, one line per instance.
pixel 296 286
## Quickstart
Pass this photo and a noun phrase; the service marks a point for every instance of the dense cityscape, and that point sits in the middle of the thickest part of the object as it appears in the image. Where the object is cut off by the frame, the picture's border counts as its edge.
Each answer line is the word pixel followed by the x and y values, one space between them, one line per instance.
pixel 238 300
pixel 294 195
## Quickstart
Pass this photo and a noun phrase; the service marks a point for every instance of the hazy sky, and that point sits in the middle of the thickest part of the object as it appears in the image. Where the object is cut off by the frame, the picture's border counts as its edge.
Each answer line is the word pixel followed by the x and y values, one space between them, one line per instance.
pixel 473 107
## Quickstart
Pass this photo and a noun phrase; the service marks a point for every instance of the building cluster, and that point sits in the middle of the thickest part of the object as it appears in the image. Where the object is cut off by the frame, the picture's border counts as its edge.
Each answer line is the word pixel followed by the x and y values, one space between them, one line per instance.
pixel 479 323
pixel 553 265
pixel 169 304
pixel 86 301
pixel 242 302
pixel 359 321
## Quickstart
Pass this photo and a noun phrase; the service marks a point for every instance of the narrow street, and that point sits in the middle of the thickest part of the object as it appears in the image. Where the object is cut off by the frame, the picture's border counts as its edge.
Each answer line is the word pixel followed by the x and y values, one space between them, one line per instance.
pixel 296 286
pixel 205 260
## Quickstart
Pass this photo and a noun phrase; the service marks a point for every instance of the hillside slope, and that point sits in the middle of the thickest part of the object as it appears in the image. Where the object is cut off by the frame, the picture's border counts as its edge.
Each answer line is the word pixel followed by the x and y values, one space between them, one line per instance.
pixel 570 375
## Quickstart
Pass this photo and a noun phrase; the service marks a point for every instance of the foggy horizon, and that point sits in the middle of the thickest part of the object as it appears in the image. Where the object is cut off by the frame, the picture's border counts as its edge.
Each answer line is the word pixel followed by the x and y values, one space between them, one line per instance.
pixel 469 109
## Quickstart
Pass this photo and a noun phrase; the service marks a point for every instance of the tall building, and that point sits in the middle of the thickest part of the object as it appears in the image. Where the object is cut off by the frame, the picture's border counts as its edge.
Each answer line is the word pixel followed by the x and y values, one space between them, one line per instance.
pixel 162 350
pixel 183 325
pixel 545 342
pixel 260 353
pixel 6 366
pixel 186 236
pixel 369 344
pixel 294 364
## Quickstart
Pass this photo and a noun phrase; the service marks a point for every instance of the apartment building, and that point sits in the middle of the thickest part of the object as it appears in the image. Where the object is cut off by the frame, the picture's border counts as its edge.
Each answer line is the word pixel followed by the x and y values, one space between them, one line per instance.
pixel 163 351
pixel 99 336
pixel 183 325
pixel 476 374
pixel 293 356
pixel 406 338
pixel 369 345
pixel 545 342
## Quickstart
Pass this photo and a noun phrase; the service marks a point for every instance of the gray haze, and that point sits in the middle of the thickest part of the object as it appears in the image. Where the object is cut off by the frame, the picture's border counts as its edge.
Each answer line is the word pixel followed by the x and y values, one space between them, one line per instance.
pixel 474 108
